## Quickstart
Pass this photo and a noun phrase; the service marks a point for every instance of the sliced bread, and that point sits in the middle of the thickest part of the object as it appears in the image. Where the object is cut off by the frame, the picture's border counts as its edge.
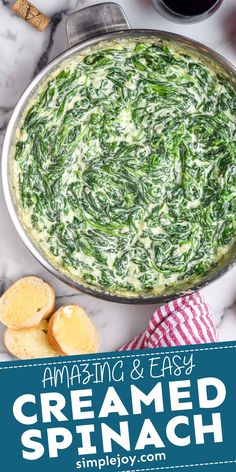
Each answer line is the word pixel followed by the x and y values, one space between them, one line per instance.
pixel 71 331
pixel 26 303
pixel 29 343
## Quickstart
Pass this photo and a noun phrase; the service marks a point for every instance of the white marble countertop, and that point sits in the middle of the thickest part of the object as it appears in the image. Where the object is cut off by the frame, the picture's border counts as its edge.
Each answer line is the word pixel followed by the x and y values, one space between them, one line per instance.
pixel 24 51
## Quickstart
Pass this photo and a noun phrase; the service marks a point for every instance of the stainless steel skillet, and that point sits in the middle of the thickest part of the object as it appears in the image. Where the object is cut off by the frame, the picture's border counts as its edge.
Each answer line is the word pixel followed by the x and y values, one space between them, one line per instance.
pixel 87 28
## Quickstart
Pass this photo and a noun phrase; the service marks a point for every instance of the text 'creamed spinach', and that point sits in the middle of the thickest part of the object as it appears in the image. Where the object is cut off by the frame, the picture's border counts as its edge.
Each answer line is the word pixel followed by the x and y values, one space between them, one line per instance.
pixel 125 167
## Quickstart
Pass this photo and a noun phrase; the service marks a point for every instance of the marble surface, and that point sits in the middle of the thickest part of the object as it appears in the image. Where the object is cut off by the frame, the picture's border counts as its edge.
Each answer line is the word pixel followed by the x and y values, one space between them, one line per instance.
pixel 23 52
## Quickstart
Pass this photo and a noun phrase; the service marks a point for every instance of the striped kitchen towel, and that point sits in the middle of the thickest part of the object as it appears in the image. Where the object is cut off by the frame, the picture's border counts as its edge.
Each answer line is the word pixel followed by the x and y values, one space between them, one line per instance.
pixel 186 320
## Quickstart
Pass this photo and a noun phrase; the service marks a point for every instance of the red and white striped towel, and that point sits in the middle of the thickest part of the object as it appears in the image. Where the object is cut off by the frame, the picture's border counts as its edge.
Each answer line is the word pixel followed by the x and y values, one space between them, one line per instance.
pixel 186 320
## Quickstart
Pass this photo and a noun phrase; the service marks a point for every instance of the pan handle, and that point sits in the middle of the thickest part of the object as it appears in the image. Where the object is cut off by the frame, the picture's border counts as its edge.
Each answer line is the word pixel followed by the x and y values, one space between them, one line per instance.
pixel 94 21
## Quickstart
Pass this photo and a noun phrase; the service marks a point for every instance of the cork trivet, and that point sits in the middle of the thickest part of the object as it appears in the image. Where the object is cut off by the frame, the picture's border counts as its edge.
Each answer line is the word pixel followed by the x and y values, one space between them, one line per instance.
pixel 31 14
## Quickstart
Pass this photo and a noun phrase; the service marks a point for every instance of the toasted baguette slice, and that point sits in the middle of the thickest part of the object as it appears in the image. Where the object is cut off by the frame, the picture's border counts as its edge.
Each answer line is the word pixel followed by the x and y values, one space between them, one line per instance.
pixel 71 331
pixel 29 343
pixel 26 303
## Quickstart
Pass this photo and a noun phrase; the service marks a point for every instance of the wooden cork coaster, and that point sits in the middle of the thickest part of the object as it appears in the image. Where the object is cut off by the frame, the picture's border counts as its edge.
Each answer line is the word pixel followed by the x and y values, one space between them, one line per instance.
pixel 31 14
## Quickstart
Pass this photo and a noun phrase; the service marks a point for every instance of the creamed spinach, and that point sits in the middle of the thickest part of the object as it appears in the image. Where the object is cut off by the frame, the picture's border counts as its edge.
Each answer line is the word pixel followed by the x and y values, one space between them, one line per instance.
pixel 125 167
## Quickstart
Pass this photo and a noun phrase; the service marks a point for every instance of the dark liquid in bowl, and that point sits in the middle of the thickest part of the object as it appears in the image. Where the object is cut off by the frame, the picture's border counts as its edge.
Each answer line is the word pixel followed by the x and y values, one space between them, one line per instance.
pixel 189 7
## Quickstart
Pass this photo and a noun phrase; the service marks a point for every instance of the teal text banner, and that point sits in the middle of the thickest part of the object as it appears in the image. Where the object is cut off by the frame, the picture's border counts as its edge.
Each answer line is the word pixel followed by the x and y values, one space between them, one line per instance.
pixel 151 410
